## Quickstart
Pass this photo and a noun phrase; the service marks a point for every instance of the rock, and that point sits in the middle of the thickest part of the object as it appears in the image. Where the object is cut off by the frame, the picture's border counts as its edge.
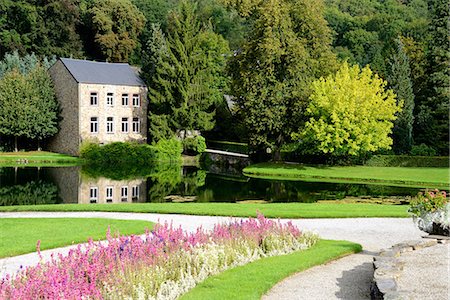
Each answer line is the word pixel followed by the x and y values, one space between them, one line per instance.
pixel 386 285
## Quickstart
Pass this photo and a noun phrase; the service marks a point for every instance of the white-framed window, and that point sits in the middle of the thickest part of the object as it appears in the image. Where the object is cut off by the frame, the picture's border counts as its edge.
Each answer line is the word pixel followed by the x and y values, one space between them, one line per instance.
pixel 109 125
pixel 124 125
pixel 94 125
pixel 109 99
pixel 94 98
pixel 134 193
pixel 124 194
pixel 93 194
pixel 136 100
pixel 109 193
pixel 124 99
pixel 136 125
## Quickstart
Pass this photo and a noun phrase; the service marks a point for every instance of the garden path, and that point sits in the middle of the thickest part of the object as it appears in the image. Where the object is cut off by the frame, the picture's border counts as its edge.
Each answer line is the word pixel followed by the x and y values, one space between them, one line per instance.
pixel 346 278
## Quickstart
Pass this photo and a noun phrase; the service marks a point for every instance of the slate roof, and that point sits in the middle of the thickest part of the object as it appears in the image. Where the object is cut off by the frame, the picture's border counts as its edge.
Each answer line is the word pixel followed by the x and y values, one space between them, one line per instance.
pixel 85 71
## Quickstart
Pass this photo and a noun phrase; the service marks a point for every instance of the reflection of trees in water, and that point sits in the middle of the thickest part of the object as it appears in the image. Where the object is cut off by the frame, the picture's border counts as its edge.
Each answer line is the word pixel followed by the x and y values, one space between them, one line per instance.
pixel 33 192
pixel 170 181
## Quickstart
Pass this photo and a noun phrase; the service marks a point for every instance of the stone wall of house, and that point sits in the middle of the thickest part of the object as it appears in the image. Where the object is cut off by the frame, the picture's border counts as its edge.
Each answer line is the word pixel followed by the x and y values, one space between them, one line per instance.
pixel 66 89
pixel 102 183
pixel 117 111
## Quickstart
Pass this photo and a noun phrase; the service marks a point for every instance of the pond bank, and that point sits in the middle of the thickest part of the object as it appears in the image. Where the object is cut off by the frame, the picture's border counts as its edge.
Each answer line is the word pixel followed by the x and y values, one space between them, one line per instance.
pixel 400 176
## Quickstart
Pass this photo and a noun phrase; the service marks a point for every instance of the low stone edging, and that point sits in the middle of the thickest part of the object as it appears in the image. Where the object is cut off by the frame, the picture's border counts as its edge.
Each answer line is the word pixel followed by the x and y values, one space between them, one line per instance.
pixel 388 267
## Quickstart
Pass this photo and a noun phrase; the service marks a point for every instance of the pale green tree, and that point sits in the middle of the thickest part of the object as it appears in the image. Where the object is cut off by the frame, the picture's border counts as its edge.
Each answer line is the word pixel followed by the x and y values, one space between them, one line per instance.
pixel 351 113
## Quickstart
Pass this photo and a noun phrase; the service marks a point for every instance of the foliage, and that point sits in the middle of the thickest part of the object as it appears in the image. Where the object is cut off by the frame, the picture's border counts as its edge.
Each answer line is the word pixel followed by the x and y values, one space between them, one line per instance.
pixel 350 112
pixel 44 27
pixel 433 113
pixel 408 161
pixel 288 46
pixel 184 74
pixel 194 145
pixel 34 192
pixel 114 27
pixel 165 264
pixel 422 150
pixel 28 105
pixel 169 150
pixel 25 64
pixel 400 82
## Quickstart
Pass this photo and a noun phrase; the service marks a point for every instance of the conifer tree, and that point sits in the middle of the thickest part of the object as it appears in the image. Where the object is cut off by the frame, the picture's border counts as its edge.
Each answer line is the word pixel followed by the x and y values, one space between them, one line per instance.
pixel 184 72
pixel 400 82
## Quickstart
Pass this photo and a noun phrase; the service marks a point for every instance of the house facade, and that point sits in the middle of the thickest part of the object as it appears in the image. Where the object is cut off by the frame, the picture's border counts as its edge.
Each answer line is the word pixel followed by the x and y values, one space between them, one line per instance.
pixel 100 102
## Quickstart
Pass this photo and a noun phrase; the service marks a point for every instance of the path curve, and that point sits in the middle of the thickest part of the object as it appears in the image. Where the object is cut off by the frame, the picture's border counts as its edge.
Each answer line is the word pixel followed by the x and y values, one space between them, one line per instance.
pixel 346 278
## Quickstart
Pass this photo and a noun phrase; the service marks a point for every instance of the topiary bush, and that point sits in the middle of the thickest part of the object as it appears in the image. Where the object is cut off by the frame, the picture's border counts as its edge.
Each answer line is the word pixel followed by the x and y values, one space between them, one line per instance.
pixel 194 145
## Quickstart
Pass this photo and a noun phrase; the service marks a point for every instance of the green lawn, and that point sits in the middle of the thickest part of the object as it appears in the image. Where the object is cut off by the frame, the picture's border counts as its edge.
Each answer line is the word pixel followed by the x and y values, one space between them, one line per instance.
pixel 270 210
pixel 414 177
pixel 253 280
pixel 19 236
pixel 36 158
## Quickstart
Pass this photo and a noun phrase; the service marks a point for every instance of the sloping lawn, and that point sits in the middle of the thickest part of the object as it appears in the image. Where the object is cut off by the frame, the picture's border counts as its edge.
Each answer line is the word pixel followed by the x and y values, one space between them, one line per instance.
pixel 36 158
pixel 19 236
pixel 270 210
pixel 253 280
pixel 402 176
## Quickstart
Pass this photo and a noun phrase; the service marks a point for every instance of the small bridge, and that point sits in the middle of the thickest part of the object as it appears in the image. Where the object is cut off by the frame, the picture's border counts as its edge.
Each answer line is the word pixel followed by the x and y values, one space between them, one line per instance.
pixel 220 152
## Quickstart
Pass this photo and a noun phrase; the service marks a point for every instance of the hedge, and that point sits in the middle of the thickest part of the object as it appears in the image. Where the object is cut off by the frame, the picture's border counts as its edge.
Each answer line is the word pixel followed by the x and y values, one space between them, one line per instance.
pixel 408 161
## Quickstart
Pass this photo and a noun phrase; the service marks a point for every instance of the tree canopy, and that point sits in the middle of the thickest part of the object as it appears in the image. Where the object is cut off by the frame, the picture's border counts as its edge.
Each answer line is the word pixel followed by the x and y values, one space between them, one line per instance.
pixel 350 112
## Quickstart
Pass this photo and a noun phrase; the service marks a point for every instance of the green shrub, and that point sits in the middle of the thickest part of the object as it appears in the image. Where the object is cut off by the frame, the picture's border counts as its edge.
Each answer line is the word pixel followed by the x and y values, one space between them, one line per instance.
pixel 120 154
pixel 194 145
pixel 169 150
pixel 422 150
pixel 408 161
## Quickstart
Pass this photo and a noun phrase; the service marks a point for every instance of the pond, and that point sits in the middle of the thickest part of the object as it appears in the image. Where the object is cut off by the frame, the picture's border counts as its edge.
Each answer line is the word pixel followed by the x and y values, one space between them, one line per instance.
pixel 26 185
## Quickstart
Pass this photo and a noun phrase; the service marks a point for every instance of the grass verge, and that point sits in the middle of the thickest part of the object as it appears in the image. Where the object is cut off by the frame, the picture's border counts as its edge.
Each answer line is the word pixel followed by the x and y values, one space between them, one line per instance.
pixel 36 159
pixel 19 236
pixel 270 210
pixel 401 176
pixel 253 280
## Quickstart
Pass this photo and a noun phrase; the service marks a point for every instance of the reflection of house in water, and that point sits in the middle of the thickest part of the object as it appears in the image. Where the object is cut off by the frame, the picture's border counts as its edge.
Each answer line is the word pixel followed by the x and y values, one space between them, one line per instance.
pixel 75 188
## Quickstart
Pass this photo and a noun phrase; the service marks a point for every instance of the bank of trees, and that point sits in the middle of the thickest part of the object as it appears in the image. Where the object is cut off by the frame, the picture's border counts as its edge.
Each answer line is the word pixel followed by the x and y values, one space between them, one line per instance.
pixel 264 55
pixel 28 105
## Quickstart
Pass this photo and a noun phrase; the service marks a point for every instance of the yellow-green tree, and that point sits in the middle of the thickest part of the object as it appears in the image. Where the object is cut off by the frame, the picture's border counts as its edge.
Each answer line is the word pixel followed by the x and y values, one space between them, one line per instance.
pixel 351 113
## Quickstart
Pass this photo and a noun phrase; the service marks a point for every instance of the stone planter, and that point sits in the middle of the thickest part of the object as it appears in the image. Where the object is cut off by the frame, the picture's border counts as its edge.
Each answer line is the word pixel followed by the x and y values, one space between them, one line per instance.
pixel 438 229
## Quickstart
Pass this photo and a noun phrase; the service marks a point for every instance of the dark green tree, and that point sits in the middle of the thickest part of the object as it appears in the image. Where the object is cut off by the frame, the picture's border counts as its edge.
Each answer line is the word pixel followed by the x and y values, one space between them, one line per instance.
pixel 47 27
pixel 287 48
pixel 28 105
pixel 184 73
pixel 400 81
pixel 112 27
pixel 433 114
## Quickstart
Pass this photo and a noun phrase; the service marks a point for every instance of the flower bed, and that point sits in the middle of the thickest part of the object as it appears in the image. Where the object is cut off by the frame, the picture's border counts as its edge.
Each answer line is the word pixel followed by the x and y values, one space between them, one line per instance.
pixel 162 265
pixel 431 212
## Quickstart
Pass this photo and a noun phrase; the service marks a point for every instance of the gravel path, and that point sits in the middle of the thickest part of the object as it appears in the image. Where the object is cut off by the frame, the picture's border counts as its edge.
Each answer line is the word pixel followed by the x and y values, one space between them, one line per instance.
pixel 346 278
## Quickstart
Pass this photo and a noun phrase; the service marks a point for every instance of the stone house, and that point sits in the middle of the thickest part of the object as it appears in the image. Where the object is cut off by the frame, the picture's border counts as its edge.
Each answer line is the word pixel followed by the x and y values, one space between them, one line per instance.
pixel 100 102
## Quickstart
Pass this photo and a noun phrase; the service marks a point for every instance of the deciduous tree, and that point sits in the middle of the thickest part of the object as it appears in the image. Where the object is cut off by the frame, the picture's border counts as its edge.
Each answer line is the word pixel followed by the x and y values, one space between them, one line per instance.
pixel 351 113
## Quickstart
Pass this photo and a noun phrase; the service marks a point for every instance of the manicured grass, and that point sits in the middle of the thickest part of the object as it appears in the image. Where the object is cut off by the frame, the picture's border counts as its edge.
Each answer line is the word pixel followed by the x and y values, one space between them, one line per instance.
pixel 36 158
pixel 271 210
pixel 414 177
pixel 19 236
pixel 253 280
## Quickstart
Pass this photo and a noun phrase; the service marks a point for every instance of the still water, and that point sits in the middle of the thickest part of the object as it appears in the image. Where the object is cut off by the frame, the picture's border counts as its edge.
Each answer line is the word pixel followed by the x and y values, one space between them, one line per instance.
pixel 21 186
